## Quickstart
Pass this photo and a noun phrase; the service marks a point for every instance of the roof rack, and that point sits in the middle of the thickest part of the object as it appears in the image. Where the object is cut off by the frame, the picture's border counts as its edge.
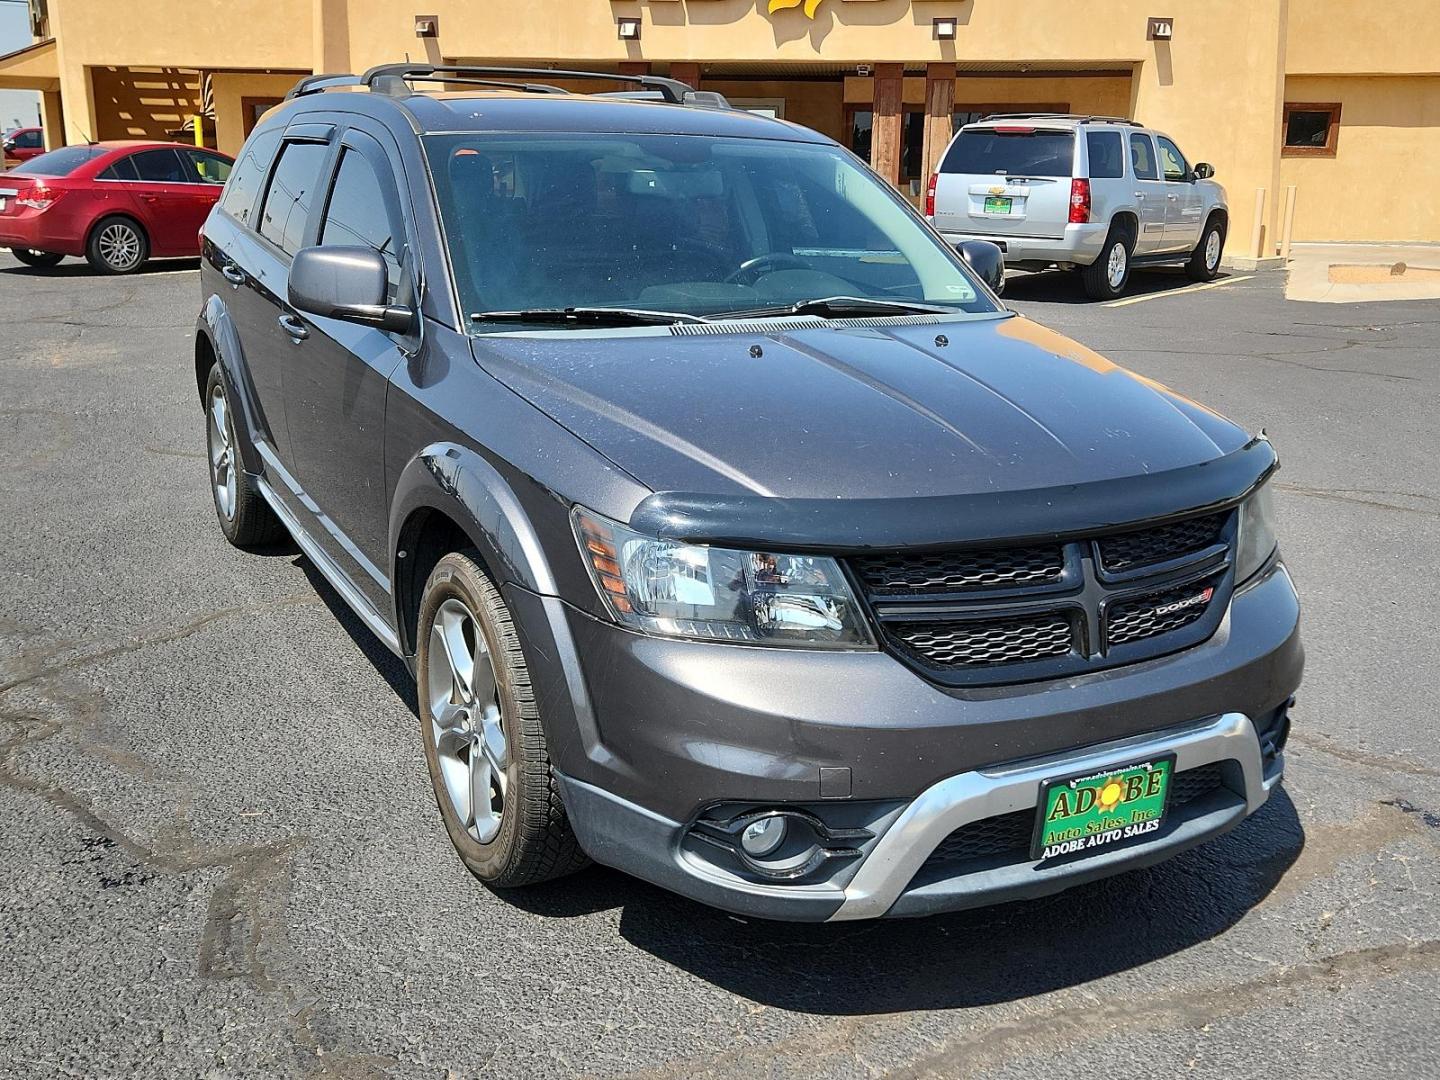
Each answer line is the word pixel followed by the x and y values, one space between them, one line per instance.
pixel 391 79
pixel 313 84
pixel 1078 117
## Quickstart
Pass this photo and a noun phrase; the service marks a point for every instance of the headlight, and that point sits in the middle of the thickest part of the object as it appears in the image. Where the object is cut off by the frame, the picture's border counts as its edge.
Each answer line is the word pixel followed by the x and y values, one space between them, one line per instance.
pixel 1257 535
pixel 683 590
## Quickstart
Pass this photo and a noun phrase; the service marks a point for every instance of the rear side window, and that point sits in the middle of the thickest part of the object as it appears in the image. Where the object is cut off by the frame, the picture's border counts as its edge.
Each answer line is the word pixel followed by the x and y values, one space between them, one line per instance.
pixel 161 167
pixel 1107 155
pixel 249 175
pixel 28 140
pixel 61 162
pixel 357 215
pixel 291 191
pixel 994 151
pixel 1142 158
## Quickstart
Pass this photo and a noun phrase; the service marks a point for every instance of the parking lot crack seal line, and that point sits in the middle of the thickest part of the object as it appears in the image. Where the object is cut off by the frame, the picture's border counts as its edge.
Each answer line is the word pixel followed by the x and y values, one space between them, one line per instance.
pixel 1362 757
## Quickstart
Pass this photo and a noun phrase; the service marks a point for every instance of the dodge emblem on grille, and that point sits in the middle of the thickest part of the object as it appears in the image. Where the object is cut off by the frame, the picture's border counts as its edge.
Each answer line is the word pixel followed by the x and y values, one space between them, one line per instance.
pixel 1202 597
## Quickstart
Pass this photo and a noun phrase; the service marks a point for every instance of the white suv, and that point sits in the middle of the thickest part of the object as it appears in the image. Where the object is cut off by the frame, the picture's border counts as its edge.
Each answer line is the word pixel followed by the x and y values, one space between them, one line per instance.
pixel 1092 193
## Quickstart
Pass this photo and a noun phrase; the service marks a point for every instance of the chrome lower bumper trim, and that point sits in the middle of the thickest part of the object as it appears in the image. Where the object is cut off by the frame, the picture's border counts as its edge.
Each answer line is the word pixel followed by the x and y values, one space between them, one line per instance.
pixel 959 800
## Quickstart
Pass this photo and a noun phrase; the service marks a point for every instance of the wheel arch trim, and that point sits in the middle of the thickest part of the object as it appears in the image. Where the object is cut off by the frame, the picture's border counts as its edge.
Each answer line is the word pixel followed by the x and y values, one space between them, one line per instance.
pixel 461 484
pixel 215 328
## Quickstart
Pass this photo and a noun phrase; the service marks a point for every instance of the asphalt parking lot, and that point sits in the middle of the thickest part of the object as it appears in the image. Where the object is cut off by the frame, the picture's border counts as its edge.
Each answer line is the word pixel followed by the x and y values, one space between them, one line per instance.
pixel 221 857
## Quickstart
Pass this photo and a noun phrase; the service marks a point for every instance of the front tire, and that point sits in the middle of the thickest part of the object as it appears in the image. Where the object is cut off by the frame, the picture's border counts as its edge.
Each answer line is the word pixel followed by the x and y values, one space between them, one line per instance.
pixel 1204 264
pixel 1107 276
pixel 31 257
pixel 484 744
pixel 245 517
pixel 117 245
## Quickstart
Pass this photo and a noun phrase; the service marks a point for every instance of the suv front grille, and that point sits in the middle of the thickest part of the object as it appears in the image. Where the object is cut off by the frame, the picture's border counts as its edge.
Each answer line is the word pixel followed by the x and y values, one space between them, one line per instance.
pixel 952 571
pixel 982 644
pixel 1001 614
pixel 1146 547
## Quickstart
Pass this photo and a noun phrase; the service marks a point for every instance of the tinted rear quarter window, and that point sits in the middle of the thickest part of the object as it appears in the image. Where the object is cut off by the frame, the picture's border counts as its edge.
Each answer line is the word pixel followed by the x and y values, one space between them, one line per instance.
pixel 1142 157
pixel 993 151
pixel 249 175
pixel 1107 155
pixel 124 169
pixel 291 192
pixel 61 162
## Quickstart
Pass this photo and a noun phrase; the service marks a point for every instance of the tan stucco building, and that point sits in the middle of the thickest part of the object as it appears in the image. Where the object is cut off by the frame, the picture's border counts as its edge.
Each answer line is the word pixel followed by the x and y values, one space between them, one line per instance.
pixel 1337 98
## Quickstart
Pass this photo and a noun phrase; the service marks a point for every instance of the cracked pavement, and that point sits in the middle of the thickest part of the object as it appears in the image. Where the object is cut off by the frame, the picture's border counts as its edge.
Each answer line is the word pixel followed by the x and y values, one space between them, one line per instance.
pixel 221 857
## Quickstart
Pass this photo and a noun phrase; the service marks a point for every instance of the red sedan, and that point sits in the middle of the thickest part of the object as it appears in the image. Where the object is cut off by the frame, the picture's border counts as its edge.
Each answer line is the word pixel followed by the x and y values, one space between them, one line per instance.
pixel 116 203
pixel 22 144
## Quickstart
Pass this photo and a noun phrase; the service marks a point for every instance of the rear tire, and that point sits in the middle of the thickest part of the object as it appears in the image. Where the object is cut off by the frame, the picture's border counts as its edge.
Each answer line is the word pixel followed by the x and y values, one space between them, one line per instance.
pixel 117 245
pixel 1204 262
pixel 484 745
pixel 31 257
pixel 1107 276
pixel 245 517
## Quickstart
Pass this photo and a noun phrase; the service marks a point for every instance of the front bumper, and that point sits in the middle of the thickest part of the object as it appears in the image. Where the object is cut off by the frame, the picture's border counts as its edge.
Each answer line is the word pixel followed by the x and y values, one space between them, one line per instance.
pixel 650 735
pixel 891 879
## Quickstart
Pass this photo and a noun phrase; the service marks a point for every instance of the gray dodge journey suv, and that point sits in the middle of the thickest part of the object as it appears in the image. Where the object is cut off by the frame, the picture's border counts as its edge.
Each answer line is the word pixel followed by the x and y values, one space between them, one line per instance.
pixel 735 533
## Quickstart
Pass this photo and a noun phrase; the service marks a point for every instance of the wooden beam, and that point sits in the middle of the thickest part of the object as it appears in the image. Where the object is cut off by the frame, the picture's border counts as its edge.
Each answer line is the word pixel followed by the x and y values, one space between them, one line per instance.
pixel 939 113
pixel 887 118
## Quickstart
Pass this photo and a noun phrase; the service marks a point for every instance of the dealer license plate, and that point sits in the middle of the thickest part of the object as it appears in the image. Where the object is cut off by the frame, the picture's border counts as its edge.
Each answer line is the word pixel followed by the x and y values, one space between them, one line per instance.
pixel 1082 815
pixel 995 204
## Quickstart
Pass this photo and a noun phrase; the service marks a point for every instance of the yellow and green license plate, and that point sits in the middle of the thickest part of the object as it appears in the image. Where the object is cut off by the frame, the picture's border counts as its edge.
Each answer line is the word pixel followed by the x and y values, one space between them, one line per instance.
pixel 1081 815
pixel 996 204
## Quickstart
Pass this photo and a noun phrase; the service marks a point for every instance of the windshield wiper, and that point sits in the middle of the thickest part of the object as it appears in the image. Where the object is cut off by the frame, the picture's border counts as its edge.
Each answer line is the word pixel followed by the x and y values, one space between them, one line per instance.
pixel 600 316
pixel 826 306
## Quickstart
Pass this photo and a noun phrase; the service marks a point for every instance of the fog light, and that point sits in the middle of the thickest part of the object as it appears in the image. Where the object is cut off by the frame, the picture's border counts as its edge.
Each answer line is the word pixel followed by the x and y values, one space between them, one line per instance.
pixel 763 836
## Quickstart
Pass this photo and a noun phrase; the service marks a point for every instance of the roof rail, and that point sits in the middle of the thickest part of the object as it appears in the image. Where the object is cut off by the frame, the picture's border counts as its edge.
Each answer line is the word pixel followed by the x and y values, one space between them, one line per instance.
pixel 1078 117
pixel 313 84
pixel 391 79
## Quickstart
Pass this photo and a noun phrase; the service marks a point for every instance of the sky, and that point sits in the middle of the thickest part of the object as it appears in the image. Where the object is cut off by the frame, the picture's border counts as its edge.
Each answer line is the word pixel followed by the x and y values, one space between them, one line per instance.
pixel 15 105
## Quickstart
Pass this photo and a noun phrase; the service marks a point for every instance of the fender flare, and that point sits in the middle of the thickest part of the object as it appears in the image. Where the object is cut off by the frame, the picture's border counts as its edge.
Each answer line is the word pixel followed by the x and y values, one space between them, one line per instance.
pixel 215 325
pixel 460 483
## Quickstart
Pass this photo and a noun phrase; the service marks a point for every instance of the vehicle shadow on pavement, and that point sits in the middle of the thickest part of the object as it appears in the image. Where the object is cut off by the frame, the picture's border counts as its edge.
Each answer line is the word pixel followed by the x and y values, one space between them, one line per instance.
pixel 79 268
pixel 962 960
pixel 389 666
pixel 1063 287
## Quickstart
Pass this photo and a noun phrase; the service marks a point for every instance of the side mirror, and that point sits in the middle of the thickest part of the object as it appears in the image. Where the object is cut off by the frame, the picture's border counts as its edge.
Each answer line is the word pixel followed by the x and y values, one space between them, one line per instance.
pixel 987 260
pixel 1204 170
pixel 348 283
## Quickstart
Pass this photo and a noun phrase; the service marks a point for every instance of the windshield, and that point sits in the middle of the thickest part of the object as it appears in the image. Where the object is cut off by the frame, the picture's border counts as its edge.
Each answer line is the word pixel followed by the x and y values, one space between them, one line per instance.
pixel 61 162
pixel 683 224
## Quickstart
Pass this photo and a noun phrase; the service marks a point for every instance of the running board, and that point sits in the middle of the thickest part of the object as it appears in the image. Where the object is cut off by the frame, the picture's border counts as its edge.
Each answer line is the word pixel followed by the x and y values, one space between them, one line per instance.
pixel 330 571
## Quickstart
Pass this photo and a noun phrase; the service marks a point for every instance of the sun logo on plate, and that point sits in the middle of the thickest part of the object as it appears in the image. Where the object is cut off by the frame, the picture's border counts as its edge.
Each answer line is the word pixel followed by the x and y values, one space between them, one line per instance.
pixel 811 6
pixel 1110 793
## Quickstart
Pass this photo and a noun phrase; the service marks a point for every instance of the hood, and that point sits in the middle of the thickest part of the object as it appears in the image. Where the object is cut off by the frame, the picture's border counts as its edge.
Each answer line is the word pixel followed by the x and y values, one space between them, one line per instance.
pixel 898 411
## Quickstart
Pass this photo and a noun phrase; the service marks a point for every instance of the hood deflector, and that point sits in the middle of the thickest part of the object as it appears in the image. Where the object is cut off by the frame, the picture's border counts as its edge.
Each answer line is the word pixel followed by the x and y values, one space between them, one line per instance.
pixel 858 525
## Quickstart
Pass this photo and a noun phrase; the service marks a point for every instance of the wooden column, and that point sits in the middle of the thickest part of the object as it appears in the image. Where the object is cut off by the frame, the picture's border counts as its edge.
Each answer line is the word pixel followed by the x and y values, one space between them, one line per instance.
pixel 939 114
pixel 887 118
pixel 686 72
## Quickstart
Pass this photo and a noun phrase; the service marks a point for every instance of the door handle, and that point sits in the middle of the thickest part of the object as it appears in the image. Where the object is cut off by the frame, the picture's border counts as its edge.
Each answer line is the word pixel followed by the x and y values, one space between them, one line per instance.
pixel 233 274
pixel 294 327
pixel 1139 195
pixel 1173 198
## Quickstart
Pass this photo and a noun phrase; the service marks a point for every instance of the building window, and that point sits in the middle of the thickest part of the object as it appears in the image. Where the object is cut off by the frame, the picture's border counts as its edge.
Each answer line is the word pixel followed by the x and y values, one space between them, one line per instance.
pixel 1311 130
pixel 859 127
pixel 253 108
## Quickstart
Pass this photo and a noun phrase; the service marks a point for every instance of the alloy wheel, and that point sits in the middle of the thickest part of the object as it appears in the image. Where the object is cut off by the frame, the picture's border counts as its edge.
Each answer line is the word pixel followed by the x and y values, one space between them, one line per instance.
pixel 220 435
pixel 119 246
pixel 1212 249
pixel 1115 268
pixel 462 697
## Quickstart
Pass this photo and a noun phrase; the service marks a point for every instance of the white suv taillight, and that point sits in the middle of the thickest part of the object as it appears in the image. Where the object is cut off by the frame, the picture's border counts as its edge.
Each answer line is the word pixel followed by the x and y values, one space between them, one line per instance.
pixel 1079 201
pixel 930 195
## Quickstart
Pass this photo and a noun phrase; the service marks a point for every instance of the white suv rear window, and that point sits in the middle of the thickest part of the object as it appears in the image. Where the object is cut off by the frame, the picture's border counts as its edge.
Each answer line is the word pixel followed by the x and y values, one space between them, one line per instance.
pixel 1011 152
